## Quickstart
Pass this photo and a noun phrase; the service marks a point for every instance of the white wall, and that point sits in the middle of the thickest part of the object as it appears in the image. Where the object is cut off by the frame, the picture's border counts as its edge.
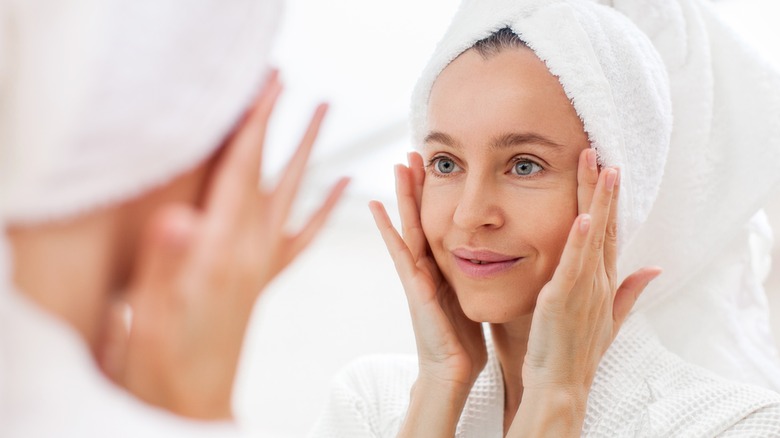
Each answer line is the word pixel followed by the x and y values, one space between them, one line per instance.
pixel 342 300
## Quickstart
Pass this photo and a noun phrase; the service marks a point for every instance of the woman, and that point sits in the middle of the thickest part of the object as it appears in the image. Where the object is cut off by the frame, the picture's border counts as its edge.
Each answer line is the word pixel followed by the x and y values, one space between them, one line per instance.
pixel 508 220
pixel 131 160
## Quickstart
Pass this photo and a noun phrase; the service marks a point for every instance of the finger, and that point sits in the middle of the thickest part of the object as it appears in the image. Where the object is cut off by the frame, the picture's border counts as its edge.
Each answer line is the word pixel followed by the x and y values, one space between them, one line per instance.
pixel 411 227
pixel 567 272
pixel 238 172
pixel 599 211
pixel 113 345
pixel 290 182
pixel 611 238
pixel 316 222
pixel 418 173
pixel 402 258
pixel 587 177
pixel 629 291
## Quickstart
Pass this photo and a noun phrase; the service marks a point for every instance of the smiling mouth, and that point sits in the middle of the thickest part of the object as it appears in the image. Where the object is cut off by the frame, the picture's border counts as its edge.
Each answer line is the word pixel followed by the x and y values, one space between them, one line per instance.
pixel 483 264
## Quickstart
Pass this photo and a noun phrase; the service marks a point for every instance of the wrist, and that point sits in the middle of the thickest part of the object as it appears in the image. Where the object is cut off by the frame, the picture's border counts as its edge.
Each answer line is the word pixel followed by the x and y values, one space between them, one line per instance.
pixel 205 411
pixel 446 392
pixel 434 409
pixel 196 405
pixel 550 412
pixel 443 383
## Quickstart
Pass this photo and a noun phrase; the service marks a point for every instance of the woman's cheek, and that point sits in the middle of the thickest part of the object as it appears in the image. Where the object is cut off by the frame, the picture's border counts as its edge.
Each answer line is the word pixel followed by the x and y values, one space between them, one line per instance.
pixel 560 218
pixel 433 217
pixel 545 217
pixel 440 199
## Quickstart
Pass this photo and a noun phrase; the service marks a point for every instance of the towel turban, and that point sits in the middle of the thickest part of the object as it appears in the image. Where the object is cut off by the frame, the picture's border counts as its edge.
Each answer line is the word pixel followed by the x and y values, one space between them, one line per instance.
pixel 102 100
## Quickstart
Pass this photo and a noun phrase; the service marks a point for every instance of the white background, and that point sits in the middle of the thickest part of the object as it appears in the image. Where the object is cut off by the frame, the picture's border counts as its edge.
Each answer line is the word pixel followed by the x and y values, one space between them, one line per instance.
pixel 342 299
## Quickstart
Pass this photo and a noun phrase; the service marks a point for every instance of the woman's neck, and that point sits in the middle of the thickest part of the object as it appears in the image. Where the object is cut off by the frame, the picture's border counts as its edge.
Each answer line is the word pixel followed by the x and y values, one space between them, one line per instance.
pixel 510 341
pixel 67 268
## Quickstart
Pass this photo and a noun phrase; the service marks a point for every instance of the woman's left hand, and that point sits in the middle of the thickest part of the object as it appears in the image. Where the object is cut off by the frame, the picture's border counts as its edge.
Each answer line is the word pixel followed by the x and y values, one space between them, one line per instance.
pixel 578 313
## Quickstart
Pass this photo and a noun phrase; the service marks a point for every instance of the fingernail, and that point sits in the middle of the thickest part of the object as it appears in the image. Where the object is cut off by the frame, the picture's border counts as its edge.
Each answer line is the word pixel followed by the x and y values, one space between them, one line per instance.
pixel 273 74
pixel 585 223
pixel 611 178
pixel 276 87
pixel 409 158
pixel 373 208
pixel 651 279
pixel 344 181
pixel 592 159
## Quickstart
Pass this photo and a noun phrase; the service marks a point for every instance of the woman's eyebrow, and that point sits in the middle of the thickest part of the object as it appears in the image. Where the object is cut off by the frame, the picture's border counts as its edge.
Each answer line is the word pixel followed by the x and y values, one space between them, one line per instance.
pixel 442 138
pixel 499 142
pixel 521 138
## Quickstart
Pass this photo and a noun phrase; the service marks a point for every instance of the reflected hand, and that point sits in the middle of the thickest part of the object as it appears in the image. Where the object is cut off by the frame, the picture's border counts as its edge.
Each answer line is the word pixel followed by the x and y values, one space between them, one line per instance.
pixel 200 271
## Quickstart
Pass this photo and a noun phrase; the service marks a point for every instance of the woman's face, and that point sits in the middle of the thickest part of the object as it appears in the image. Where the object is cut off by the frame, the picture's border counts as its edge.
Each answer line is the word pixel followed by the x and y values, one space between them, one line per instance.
pixel 500 190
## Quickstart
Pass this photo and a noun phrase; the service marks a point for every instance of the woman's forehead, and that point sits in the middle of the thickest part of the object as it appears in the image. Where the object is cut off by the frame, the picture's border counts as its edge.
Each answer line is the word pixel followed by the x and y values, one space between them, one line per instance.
pixel 505 98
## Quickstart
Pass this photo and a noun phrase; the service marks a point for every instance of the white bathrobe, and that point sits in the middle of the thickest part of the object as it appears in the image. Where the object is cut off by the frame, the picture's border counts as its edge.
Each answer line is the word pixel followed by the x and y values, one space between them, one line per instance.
pixel 640 390
pixel 51 387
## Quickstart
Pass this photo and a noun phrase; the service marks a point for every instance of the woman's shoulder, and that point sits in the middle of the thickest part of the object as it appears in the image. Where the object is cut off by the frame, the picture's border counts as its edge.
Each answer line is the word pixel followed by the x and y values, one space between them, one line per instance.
pixel 687 398
pixel 642 389
pixel 764 422
pixel 368 398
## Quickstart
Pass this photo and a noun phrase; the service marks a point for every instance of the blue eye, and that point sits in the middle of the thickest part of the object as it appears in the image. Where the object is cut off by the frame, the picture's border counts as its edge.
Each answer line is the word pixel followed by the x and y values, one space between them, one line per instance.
pixel 526 168
pixel 444 165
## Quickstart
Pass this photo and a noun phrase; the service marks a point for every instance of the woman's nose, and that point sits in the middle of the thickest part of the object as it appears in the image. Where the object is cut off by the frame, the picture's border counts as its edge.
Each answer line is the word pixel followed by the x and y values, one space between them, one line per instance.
pixel 478 207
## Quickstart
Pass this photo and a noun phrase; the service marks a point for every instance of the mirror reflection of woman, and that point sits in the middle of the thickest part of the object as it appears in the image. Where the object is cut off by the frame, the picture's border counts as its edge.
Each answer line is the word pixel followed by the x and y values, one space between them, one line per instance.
pixel 543 129
pixel 130 178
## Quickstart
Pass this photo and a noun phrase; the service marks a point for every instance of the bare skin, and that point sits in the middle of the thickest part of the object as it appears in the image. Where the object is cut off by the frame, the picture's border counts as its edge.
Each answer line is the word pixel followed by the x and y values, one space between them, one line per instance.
pixel 507 219
pixel 208 243
pixel 86 256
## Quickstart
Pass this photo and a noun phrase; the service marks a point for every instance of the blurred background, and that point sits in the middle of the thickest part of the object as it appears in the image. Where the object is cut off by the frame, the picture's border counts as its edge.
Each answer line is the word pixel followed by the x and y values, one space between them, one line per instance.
pixel 342 299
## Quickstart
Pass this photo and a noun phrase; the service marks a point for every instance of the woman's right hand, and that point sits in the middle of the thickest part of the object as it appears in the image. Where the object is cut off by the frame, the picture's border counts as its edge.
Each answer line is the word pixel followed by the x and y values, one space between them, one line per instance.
pixel 450 347
pixel 200 271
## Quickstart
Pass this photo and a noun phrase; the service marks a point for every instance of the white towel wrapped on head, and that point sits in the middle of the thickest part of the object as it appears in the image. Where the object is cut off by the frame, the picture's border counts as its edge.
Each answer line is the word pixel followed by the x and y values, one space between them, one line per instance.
pixel 104 100
pixel 626 111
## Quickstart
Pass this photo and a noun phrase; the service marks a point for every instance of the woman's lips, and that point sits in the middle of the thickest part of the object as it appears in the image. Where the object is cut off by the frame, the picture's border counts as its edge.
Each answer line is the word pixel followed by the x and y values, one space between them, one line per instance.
pixel 482 263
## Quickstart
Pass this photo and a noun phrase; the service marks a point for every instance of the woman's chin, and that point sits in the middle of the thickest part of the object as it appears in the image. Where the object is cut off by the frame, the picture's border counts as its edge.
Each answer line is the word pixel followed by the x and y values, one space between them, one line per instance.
pixel 494 309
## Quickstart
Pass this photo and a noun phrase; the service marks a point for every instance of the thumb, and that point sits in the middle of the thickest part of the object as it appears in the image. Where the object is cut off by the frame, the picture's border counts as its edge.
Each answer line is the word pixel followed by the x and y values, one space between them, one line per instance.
pixel 153 293
pixel 630 290
pixel 112 351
